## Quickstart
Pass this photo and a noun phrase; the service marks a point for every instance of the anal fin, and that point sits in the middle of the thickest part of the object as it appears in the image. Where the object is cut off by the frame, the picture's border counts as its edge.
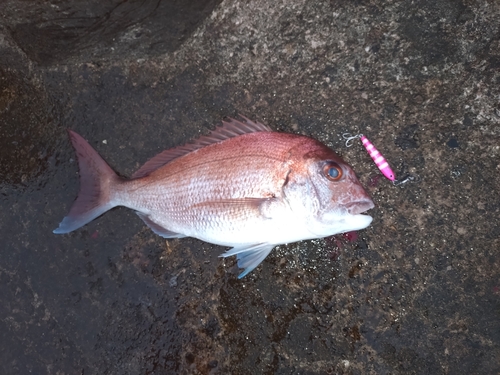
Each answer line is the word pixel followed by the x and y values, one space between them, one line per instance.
pixel 157 228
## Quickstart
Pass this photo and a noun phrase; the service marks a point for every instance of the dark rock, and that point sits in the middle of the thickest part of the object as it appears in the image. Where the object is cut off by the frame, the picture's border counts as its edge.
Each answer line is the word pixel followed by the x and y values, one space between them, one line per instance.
pixel 416 292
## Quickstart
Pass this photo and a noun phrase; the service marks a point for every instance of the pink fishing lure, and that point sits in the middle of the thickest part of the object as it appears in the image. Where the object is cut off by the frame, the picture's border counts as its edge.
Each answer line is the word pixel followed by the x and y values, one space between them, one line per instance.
pixel 375 154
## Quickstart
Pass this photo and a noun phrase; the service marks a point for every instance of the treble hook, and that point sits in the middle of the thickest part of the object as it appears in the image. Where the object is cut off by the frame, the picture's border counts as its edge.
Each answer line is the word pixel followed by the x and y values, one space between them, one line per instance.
pixel 350 138
pixel 409 178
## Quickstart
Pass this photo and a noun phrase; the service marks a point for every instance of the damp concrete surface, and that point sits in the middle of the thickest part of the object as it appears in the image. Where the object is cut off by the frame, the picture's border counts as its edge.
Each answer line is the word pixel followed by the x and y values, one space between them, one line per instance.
pixel 418 292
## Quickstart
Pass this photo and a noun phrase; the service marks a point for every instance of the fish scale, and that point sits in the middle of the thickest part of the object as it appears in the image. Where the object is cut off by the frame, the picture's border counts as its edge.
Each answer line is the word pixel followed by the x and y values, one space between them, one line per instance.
pixel 242 186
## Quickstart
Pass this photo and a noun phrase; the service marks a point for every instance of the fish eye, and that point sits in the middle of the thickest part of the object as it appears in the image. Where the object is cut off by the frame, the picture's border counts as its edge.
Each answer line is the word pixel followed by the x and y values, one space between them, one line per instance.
pixel 332 171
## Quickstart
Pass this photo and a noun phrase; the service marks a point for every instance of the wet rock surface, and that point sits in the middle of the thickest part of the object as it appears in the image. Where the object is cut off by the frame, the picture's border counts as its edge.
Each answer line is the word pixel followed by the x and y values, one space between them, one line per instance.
pixel 417 292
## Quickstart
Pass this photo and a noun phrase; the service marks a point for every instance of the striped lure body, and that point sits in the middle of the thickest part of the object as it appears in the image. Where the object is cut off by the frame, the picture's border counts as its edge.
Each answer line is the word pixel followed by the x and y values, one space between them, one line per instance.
pixel 377 157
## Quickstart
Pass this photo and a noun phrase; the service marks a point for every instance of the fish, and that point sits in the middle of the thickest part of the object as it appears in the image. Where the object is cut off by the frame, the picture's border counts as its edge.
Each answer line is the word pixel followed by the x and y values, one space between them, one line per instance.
pixel 242 186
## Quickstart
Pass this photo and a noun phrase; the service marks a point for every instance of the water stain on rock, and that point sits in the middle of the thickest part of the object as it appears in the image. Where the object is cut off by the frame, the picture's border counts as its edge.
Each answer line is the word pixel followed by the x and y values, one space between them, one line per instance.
pixel 408 137
pixel 27 128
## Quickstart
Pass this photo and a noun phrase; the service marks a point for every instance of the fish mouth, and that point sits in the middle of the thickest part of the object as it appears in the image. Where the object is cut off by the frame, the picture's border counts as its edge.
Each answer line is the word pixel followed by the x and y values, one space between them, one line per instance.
pixel 360 206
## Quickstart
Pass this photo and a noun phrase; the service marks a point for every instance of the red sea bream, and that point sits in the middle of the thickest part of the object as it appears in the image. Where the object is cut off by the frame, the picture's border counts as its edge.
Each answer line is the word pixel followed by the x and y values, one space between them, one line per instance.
pixel 243 186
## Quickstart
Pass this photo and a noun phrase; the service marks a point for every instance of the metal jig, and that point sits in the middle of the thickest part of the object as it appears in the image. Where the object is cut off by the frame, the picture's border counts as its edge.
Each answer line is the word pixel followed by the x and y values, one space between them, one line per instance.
pixel 376 156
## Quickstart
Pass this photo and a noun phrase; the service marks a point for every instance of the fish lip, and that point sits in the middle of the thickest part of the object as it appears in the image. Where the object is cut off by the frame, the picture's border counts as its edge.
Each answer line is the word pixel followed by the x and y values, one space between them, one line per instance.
pixel 360 206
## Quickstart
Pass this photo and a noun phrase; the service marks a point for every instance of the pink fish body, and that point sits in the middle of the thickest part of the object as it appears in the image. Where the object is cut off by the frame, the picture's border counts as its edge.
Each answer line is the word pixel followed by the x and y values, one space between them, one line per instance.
pixel 378 159
pixel 242 186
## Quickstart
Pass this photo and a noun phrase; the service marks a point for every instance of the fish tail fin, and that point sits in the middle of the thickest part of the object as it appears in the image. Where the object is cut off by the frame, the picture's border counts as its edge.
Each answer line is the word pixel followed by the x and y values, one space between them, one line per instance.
pixel 97 180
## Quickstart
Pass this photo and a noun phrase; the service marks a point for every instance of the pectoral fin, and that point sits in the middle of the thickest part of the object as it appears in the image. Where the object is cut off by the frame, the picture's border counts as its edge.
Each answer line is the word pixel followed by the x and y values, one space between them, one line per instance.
pixel 241 207
pixel 249 257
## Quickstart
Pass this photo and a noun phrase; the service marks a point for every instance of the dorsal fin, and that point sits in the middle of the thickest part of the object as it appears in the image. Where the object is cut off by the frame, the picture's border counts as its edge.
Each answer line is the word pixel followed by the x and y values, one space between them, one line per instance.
pixel 230 128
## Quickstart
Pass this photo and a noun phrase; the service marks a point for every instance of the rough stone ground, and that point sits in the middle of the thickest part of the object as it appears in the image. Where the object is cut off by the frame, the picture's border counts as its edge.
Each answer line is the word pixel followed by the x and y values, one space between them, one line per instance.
pixel 417 293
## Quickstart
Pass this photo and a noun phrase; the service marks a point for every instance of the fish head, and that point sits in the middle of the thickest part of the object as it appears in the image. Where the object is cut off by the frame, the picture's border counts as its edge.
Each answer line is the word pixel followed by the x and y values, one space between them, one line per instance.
pixel 327 191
